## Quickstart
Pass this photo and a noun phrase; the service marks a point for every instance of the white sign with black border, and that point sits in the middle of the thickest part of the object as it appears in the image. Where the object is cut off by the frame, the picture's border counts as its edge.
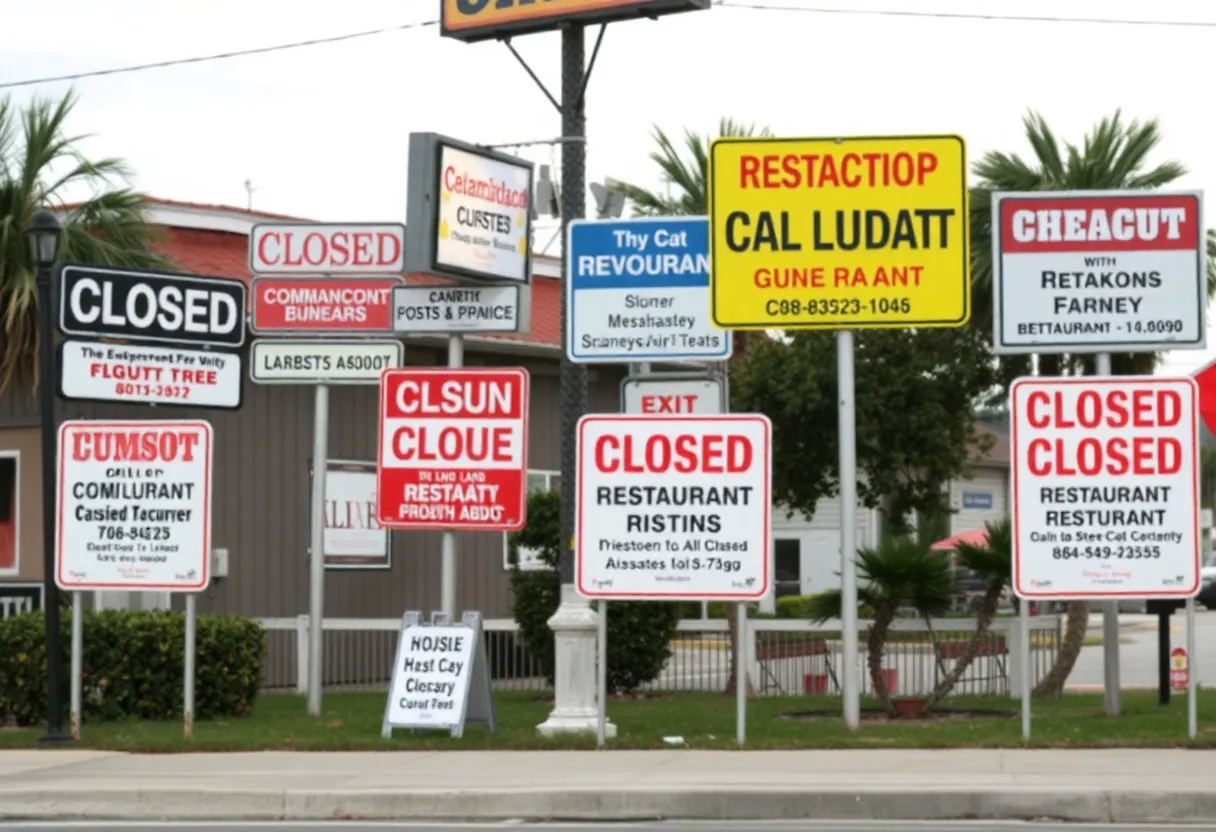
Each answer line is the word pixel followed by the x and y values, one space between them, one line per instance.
pixel 461 308
pixel 144 374
pixel 165 307
pixel 323 361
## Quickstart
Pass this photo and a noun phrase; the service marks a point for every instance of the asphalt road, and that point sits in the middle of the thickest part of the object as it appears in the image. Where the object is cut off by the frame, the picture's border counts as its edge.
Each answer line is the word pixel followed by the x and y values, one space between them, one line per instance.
pixel 1138 656
pixel 669 826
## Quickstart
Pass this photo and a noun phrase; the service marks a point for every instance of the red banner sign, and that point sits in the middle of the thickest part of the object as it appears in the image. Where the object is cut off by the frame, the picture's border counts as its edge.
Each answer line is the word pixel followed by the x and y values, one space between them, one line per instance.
pixel 314 305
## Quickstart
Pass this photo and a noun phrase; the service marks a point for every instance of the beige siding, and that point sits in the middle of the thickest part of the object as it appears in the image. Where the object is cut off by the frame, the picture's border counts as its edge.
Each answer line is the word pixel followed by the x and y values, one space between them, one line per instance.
pixel 968 498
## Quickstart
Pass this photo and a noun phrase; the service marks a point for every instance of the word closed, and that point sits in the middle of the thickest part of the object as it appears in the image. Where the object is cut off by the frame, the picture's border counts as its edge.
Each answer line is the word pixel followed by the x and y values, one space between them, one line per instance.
pixel 134 506
pixel 1086 271
pixel 673 506
pixel 839 233
pixel 151 306
pixel 1105 485
pixel 306 248
pixel 453 449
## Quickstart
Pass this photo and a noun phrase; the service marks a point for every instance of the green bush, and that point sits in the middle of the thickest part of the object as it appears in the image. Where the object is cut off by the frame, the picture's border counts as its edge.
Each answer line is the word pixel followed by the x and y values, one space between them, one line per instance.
pixel 639 632
pixel 132 665
pixel 798 606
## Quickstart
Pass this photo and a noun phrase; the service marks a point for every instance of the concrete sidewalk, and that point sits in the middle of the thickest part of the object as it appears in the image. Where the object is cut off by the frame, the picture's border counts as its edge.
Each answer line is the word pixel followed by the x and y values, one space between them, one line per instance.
pixel 1092 786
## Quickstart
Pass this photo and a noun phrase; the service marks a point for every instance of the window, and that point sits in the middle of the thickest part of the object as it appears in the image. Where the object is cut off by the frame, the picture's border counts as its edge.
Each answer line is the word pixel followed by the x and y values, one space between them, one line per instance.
pixel 537 481
pixel 9 512
pixel 787 567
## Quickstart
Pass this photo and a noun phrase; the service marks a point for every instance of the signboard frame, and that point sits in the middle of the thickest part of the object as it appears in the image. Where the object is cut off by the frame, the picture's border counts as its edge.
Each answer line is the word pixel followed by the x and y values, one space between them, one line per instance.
pixel 596 11
pixel 62 375
pixel 661 378
pixel 328 343
pixel 395 281
pixel 424 200
pixel 790 320
pixel 303 270
pixel 999 345
pixel 1020 580
pixel 344 563
pixel 232 287
pixel 61 505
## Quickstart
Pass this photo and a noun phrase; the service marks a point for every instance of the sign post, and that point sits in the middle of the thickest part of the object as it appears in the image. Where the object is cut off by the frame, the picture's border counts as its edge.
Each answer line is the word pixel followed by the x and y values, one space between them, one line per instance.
pixel 1105 489
pixel 844 234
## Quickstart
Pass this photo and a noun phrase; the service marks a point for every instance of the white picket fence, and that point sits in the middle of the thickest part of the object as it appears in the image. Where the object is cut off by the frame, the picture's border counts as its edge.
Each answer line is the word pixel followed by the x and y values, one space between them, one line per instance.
pixel 784 656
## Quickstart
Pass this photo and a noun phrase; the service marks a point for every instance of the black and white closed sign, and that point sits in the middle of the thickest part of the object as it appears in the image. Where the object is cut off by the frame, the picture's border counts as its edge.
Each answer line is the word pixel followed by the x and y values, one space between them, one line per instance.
pixel 151 306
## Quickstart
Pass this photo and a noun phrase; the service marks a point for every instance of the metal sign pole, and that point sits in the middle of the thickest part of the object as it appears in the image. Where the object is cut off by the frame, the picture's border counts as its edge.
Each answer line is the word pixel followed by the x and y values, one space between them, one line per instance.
pixel 601 719
pixel 1110 618
pixel 316 565
pixel 188 693
pixel 77 661
pixel 1024 658
pixel 741 676
pixel 1192 717
pixel 447 574
pixel 848 529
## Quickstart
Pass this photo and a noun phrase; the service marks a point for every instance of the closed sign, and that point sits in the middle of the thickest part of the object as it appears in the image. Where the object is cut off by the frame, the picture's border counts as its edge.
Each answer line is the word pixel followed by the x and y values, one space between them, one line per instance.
pixel 152 306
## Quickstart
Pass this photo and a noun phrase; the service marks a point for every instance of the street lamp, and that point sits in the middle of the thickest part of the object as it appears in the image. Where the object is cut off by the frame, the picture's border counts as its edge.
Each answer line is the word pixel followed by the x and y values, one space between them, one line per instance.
pixel 44 234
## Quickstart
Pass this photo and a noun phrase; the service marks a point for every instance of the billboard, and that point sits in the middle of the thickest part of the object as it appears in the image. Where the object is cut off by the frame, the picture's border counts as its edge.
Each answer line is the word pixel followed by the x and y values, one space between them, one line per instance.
pixel 474 20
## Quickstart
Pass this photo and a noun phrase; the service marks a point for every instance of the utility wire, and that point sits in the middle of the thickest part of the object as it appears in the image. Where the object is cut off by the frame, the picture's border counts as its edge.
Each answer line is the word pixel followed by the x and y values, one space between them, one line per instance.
pixel 219 56
pixel 730 4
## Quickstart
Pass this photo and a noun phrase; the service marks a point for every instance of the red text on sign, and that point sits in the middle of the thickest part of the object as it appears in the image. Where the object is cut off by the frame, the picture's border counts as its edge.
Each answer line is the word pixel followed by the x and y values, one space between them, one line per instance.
pixel 341 249
pixel 1141 456
pixel 455 398
pixel 847 170
pixel 1110 408
pixel 470 443
pixel 674 403
pixel 683 454
pixel 133 446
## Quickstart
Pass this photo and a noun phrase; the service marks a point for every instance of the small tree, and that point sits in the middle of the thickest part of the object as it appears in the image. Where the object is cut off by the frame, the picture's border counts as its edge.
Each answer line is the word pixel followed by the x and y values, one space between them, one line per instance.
pixel 899 573
pixel 639 632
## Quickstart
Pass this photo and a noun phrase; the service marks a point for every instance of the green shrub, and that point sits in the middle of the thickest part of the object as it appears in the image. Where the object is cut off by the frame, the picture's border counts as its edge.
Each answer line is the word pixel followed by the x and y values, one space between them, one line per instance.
pixel 132 665
pixel 798 606
pixel 639 632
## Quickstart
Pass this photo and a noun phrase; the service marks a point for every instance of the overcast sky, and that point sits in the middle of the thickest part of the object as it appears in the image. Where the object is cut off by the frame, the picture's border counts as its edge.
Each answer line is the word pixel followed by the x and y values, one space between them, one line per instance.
pixel 322 131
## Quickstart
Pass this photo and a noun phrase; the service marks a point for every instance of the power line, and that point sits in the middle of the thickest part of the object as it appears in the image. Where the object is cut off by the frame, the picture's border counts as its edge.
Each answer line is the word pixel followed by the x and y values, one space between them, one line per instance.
pixel 219 56
pixel 1202 24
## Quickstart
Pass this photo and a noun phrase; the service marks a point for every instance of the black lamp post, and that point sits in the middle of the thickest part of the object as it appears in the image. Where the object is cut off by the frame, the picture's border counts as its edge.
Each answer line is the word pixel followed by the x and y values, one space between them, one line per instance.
pixel 44 233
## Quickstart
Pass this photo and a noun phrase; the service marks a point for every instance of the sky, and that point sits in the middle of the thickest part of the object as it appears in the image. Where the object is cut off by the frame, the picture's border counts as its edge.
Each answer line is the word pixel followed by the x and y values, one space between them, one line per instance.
pixel 322 132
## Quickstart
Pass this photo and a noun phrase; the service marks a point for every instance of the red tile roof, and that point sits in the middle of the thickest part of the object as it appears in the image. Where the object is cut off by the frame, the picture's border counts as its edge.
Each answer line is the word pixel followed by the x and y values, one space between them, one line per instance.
pixel 226 254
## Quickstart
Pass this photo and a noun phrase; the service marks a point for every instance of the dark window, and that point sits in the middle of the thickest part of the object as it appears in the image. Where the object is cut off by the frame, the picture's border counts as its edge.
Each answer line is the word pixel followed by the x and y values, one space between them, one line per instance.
pixel 787 567
pixel 8 487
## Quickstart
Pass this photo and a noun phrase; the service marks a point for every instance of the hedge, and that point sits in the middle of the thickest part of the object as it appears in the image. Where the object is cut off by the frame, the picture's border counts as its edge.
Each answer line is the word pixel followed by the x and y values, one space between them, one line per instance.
pixel 132 665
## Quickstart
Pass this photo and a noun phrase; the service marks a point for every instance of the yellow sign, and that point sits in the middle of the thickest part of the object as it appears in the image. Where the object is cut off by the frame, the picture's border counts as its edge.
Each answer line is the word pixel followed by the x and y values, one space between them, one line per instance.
pixel 472 20
pixel 851 233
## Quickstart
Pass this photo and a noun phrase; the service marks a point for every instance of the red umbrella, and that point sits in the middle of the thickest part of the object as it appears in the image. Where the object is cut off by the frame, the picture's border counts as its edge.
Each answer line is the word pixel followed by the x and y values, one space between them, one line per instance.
pixel 1206 379
pixel 975 537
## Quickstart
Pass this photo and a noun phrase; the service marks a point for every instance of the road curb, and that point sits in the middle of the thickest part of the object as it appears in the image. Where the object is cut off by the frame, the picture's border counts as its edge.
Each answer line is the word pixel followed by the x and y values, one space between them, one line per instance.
pixel 1079 805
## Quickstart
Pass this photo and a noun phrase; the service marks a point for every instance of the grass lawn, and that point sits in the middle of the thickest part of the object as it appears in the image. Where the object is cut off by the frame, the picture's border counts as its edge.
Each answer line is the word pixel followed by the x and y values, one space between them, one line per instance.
pixel 352 722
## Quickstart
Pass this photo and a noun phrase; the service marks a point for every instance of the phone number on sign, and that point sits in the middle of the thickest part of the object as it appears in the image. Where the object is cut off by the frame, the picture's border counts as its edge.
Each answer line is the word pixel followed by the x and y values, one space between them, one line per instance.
pixel 133 532
pixel 830 307
pixel 160 391
pixel 1150 327
pixel 1106 552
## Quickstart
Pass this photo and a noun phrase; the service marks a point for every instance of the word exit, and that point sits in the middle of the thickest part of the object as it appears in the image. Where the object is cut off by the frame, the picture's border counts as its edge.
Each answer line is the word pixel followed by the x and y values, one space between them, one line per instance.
pixel 665 395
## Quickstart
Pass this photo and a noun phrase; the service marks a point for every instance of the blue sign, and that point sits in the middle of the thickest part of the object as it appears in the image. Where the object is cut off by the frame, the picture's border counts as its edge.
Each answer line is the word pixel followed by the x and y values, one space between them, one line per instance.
pixel 639 291
pixel 977 499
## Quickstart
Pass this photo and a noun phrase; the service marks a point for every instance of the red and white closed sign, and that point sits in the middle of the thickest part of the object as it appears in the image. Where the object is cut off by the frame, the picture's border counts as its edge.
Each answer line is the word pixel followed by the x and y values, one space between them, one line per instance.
pixel 673 507
pixel 453 449
pixel 317 305
pixel 327 248
pixel 1105 487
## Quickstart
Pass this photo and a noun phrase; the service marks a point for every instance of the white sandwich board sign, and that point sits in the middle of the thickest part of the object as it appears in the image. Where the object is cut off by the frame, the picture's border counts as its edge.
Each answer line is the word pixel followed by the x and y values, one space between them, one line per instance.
pixel 673 507
pixel 1098 271
pixel 1105 487
pixel 134 506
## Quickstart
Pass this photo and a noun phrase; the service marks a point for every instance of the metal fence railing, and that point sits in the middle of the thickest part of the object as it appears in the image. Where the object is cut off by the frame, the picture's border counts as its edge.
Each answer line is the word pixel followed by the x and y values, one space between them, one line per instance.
pixel 784 656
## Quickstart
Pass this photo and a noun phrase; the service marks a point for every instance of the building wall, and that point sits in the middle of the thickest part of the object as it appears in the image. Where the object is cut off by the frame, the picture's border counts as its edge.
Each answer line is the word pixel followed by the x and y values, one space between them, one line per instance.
pixel 983 498
pixel 260 500
pixel 22 535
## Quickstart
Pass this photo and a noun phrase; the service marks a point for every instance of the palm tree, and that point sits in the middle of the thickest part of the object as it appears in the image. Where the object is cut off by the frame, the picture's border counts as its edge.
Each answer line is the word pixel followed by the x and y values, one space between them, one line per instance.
pixel 900 573
pixel 993 562
pixel 687 172
pixel 41 165
pixel 1113 156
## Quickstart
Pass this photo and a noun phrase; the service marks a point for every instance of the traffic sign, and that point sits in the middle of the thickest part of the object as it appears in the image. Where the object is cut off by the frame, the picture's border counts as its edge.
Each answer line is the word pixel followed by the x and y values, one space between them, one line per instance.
pixel 134 506
pixel 143 374
pixel 1105 487
pixel 839 233
pixel 137 305
pixel 673 507
pixel 322 305
pixel 672 393
pixel 323 362
pixel 639 291
pixel 453 449
pixel 327 248
pixel 1098 271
